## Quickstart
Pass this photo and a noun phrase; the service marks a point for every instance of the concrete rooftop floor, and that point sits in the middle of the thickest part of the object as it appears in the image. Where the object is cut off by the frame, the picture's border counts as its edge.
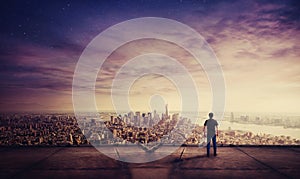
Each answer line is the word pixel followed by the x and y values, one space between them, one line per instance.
pixel 87 162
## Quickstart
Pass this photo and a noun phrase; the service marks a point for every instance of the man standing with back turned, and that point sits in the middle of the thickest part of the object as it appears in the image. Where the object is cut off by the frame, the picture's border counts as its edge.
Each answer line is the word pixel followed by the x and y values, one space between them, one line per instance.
pixel 211 126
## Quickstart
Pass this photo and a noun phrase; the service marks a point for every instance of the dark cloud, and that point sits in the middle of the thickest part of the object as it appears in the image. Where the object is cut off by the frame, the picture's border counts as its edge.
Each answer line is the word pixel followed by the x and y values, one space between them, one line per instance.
pixel 290 51
pixel 248 55
pixel 261 19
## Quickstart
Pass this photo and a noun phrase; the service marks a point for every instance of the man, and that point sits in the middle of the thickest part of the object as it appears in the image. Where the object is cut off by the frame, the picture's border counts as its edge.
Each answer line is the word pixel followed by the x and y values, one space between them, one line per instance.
pixel 211 126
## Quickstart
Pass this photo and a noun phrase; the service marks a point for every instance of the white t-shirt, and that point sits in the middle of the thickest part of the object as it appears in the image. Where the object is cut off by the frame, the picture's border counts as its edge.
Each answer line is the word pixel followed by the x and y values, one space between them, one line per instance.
pixel 211 128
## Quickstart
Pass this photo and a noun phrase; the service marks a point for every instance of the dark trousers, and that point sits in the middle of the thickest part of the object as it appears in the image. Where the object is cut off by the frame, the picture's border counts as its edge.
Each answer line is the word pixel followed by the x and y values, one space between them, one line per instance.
pixel 214 144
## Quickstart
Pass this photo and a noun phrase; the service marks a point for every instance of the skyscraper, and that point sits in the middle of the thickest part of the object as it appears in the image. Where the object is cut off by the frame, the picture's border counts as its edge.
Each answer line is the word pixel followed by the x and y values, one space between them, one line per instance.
pixel 167 112
pixel 138 115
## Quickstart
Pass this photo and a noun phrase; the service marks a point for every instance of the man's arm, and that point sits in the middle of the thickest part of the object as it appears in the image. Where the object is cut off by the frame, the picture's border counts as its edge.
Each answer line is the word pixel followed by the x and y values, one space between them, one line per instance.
pixel 217 130
pixel 204 127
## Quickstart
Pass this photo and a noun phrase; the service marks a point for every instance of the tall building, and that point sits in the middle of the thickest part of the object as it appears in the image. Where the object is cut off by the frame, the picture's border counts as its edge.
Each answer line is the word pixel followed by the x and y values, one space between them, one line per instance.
pixel 150 115
pixel 130 115
pixel 155 117
pixel 167 112
pixel 138 120
pixel 150 119
pixel 231 117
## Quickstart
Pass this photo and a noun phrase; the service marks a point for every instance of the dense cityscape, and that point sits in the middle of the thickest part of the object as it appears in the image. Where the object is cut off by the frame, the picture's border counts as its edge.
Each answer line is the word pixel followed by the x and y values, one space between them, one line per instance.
pixel 131 128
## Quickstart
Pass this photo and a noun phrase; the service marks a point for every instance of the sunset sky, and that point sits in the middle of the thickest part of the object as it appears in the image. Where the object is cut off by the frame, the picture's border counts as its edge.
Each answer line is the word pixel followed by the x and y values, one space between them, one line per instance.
pixel 256 42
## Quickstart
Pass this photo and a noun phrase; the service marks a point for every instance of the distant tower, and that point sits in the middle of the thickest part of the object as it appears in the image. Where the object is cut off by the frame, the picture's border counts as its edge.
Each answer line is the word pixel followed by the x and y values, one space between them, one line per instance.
pixel 232 117
pixel 167 112
pixel 138 115
pixel 150 115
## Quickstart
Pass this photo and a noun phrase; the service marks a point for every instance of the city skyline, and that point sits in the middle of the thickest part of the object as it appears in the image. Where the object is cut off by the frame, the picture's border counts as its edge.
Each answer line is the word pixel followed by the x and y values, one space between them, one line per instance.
pixel 134 128
pixel 257 45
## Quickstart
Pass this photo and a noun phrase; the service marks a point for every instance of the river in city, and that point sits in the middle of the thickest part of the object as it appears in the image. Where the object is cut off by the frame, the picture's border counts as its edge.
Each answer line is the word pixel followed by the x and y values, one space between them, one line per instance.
pixel 261 129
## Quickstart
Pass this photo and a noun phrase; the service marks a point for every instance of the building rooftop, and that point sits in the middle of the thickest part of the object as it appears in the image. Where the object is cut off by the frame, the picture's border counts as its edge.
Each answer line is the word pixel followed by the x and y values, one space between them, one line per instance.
pixel 185 162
